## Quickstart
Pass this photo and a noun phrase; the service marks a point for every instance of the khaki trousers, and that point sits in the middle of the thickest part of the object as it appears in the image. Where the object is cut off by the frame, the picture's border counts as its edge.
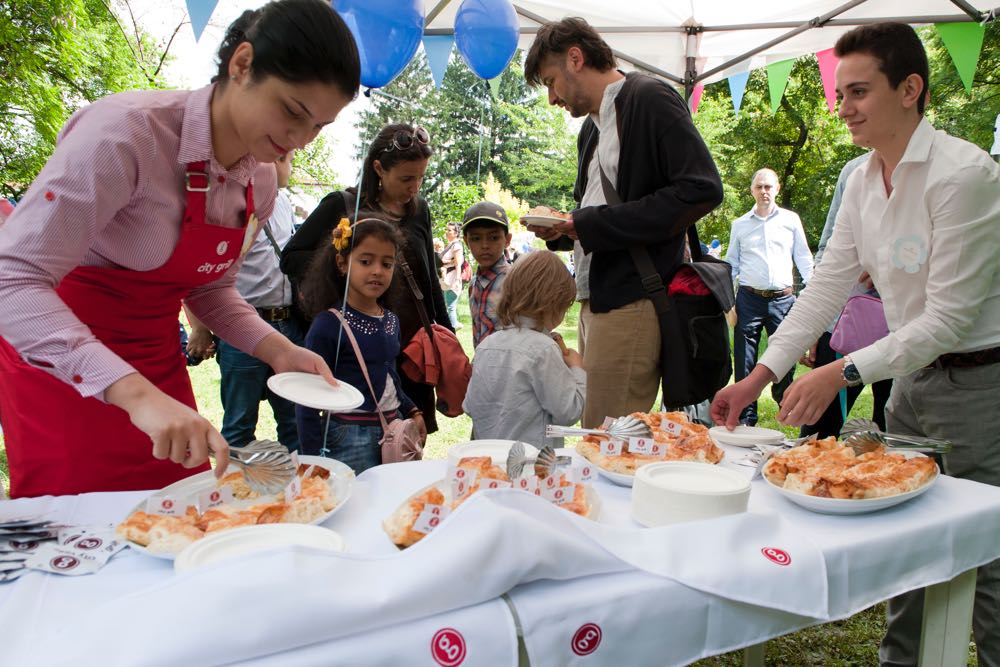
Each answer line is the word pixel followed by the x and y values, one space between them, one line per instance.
pixel 622 360
pixel 960 405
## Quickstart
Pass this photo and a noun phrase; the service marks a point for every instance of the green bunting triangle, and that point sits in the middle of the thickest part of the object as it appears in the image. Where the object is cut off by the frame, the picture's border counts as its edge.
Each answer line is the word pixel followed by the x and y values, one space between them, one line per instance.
pixel 495 86
pixel 777 79
pixel 964 42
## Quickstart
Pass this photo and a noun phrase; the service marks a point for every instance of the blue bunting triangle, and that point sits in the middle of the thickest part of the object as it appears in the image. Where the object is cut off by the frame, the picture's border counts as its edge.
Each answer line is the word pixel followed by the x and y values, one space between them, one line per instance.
pixel 200 11
pixel 438 50
pixel 737 86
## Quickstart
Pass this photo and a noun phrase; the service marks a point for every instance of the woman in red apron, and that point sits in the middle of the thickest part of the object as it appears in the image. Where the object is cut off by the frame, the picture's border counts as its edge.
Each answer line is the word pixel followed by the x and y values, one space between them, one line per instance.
pixel 150 198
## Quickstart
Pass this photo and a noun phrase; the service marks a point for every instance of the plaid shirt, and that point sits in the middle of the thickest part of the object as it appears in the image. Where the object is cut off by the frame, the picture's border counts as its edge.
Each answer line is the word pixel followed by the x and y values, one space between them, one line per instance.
pixel 484 297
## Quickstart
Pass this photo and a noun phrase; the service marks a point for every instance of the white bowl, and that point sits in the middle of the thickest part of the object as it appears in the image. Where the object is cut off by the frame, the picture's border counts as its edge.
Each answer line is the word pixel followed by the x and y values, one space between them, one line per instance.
pixel 228 544
pixel 495 449
pixel 675 491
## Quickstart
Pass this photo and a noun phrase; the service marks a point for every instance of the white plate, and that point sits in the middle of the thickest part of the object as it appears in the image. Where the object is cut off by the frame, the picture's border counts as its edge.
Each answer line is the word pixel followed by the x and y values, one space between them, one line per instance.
pixel 848 506
pixel 541 220
pixel 746 436
pixel 341 481
pixel 495 449
pixel 443 485
pixel 619 478
pixel 313 391
pixel 248 539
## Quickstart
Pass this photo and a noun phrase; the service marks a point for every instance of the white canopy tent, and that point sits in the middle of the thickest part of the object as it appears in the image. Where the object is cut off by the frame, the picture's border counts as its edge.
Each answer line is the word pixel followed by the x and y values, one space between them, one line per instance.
pixel 701 41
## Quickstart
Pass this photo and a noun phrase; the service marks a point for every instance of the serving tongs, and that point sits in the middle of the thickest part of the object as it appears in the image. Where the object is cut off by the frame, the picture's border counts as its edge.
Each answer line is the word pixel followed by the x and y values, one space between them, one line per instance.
pixel 545 464
pixel 864 436
pixel 267 465
pixel 623 427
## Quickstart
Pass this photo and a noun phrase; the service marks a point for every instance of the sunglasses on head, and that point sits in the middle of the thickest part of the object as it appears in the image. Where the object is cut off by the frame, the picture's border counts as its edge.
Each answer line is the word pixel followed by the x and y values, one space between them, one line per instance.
pixel 403 139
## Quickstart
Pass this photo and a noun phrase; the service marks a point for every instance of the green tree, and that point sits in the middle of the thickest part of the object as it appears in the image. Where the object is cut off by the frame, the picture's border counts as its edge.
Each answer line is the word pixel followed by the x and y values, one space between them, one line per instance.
pixel 54 57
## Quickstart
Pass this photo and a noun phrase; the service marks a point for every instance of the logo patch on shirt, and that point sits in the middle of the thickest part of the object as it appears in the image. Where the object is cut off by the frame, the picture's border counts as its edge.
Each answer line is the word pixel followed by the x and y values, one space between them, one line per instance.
pixel 909 253
pixel 222 248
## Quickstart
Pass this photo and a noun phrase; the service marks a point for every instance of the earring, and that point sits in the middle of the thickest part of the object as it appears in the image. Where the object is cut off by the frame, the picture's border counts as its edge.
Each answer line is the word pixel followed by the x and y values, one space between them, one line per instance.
pixel 380 185
pixel 233 77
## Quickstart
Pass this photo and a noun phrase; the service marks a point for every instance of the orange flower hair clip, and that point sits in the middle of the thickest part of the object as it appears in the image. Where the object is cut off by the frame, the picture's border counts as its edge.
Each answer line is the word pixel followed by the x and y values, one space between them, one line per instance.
pixel 342 235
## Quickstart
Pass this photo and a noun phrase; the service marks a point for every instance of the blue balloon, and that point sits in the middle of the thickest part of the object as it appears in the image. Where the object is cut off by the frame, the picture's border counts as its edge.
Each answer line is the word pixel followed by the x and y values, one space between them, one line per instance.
pixel 387 33
pixel 486 35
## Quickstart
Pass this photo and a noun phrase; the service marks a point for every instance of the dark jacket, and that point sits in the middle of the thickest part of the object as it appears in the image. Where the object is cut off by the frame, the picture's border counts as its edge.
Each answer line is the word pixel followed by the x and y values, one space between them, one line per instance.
pixel 418 249
pixel 667 181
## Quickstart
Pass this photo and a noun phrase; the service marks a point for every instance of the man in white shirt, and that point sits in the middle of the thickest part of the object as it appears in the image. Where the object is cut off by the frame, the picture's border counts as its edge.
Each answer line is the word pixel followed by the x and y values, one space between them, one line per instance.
pixel 762 246
pixel 260 281
pixel 922 217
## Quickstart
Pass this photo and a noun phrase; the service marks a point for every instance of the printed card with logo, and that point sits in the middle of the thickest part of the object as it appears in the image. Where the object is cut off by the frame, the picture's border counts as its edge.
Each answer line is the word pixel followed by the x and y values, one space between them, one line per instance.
pixel 646 447
pixel 612 446
pixel 430 518
pixel 213 498
pixel 166 505
pixel 671 427
pixel 52 558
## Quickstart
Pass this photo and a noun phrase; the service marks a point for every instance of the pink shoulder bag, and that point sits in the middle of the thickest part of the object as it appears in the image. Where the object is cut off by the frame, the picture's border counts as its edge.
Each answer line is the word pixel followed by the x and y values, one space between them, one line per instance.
pixel 861 323
pixel 400 437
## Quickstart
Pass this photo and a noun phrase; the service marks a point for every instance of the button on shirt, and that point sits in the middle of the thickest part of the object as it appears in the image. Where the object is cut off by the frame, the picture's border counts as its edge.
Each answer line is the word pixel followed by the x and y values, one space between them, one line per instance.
pixel 112 195
pixel 606 154
pixel 484 297
pixel 932 250
pixel 761 250
pixel 261 281
pixel 520 384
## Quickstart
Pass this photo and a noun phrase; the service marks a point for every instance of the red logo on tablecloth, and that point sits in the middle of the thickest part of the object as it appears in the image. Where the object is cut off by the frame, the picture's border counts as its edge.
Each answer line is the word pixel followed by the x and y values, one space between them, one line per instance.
pixel 587 639
pixel 448 647
pixel 779 556
pixel 89 543
pixel 64 562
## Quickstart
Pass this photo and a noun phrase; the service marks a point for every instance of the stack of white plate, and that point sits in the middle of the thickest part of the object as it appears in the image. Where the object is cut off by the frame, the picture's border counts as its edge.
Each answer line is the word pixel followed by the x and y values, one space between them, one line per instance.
pixel 746 436
pixel 228 544
pixel 675 491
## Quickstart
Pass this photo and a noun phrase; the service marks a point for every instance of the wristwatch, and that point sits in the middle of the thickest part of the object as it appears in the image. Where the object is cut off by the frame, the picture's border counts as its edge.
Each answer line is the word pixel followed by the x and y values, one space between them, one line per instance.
pixel 850 373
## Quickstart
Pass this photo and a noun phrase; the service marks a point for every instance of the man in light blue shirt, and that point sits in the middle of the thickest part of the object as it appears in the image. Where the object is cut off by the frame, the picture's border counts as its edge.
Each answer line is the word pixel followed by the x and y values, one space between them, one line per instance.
pixel 763 245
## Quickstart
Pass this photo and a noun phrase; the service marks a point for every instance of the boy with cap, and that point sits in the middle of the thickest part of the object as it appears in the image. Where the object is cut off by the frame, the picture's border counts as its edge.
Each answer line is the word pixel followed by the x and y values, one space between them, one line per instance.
pixel 486 232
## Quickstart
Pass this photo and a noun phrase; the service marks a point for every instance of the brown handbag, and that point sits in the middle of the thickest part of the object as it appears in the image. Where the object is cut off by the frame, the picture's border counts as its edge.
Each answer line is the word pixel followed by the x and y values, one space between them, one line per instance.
pixel 400 437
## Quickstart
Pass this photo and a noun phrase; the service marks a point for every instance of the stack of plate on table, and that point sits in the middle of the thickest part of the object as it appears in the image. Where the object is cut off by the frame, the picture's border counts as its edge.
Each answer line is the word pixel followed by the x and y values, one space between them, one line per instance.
pixel 746 436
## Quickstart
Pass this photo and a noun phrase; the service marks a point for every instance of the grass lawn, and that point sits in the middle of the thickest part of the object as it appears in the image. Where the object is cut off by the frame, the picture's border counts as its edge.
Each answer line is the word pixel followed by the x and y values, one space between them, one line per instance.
pixel 848 643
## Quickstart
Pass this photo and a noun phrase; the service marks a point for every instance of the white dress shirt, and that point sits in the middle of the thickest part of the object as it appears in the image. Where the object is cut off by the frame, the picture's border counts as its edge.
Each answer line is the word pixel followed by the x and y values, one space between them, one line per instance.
pixel 520 384
pixel 260 280
pixel 606 155
pixel 932 248
pixel 761 250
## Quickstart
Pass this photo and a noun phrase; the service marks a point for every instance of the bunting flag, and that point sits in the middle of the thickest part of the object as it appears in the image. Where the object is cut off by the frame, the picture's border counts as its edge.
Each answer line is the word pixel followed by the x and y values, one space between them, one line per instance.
pixel 737 86
pixel 827 67
pixel 777 79
pixel 438 51
pixel 964 42
pixel 199 11
pixel 495 86
pixel 696 98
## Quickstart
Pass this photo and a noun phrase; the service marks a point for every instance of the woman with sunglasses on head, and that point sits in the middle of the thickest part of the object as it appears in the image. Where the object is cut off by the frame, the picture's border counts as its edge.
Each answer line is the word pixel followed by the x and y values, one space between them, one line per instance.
pixel 392 174
pixel 152 197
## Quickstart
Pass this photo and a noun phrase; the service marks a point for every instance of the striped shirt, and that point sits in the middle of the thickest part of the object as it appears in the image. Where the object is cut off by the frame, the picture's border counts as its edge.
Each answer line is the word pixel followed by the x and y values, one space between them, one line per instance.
pixel 484 297
pixel 112 195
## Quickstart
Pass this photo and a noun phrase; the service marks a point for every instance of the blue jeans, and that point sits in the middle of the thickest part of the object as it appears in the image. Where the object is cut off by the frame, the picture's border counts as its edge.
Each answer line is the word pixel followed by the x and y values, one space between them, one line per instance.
pixel 753 313
pixel 244 386
pixel 354 444
pixel 451 303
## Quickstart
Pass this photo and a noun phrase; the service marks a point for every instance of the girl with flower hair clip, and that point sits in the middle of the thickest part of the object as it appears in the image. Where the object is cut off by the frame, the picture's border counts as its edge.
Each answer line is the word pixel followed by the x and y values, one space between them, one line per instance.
pixel 352 272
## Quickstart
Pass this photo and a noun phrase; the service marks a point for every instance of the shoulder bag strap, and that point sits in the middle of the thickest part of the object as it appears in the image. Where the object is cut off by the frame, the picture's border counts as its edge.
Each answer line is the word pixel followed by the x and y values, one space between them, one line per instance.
pixel 270 237
pixel 651 280
pixel 361 362
pixel 418 296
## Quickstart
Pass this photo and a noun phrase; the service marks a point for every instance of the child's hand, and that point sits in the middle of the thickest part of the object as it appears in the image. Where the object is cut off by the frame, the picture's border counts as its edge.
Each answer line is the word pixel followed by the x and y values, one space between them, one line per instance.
pixel 572 358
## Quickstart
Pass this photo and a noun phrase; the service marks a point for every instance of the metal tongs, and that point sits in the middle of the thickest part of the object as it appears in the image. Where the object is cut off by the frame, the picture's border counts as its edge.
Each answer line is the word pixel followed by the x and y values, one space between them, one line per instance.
pixel 547 463
pixel 623 427
pixel 864 436
pixel 267 465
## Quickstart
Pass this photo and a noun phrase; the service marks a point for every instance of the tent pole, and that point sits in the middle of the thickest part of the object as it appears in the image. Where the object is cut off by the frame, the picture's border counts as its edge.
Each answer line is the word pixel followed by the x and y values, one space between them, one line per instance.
pixel 819 21
pixel 973 13
pixel 438 8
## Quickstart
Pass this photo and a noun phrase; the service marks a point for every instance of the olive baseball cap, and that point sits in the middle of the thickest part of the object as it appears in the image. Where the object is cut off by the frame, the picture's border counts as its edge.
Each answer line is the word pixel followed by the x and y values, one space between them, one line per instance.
pixel 486 211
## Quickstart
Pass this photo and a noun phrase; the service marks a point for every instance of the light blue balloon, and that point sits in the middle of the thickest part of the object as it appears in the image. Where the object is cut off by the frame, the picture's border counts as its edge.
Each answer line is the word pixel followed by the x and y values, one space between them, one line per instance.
pixel 387 33
pixel 486 35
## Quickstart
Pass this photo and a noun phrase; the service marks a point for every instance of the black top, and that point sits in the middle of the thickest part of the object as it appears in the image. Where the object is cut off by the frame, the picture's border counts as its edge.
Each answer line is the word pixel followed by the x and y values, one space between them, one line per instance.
pixel 667 181
pixel 418 250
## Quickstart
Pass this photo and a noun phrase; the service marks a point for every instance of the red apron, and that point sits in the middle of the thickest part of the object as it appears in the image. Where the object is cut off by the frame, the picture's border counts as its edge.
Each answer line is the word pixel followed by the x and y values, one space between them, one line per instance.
pixel 60 443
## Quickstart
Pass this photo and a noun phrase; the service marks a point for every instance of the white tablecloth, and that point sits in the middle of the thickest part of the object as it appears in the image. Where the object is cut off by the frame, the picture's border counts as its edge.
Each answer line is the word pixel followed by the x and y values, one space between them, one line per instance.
pixel 378 605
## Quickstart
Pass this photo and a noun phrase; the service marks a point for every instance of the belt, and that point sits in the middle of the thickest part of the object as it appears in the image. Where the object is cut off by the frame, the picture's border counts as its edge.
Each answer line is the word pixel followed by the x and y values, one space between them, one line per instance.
pixel 275 313
pixel 967 359
pixel 769 293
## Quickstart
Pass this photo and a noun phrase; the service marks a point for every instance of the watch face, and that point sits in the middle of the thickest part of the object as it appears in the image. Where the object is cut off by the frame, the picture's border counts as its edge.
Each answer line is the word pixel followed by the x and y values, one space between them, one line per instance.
pixel 851 373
